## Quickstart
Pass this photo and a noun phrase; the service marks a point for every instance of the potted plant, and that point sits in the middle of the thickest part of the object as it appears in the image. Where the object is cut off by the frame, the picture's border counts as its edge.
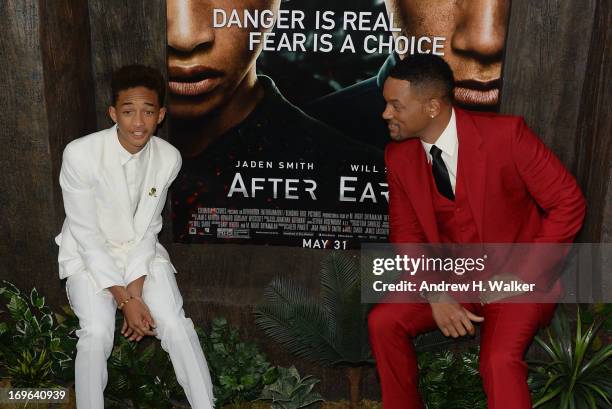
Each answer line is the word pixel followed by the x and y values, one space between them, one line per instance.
pixel 331 329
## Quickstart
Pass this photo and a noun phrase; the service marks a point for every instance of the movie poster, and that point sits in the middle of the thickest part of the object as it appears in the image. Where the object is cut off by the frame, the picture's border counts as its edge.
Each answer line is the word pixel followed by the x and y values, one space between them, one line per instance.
pixel 277 108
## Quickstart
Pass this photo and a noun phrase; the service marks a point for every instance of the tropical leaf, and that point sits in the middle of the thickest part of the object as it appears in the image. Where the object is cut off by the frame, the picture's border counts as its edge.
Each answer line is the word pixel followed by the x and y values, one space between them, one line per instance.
pixel 18 308
pixel 238 369
pixel 576 376
pixel 331 330
pixel 341 297
pixel 31 328
pixel 147 354
pixel 339 278
pixel 36 300
pixel 290 391
pixel 450 381
pixel 293 319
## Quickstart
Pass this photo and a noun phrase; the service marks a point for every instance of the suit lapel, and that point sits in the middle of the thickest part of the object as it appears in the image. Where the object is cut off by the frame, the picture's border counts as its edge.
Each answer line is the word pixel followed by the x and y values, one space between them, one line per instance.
pixel 114 174
pixel 152 190
pixel 419 189
pixel 473 166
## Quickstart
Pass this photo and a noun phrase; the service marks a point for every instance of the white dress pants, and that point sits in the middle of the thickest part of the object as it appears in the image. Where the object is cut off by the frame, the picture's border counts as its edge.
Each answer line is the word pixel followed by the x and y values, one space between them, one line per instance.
pixel 96 314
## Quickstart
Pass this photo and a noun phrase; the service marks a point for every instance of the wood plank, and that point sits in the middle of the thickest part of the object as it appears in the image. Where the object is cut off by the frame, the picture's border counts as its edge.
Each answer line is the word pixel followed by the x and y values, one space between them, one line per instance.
pixel 124 32
pixel 594 144
pixel 545 66
pixel 41 109
pixel 68 84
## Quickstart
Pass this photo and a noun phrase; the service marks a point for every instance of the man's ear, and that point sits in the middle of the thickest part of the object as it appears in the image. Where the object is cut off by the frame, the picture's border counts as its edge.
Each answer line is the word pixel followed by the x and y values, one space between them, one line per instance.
pixel 162 115
pixel 112 112
pixel 433 107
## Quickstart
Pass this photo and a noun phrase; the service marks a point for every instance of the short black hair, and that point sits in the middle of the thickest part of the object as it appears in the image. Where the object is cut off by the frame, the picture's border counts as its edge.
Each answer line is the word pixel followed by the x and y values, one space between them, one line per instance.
pixel 136 75
pixel 425 69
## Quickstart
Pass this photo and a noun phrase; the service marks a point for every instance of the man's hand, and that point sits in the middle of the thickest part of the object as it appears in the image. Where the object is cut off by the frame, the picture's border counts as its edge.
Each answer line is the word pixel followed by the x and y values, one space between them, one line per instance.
pixel 452 319
pixel 137 320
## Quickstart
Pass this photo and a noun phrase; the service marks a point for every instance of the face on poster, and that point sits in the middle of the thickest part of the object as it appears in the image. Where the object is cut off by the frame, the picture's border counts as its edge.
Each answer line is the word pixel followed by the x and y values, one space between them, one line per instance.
pixel 209 67
pixel 258 169
pixel 475 33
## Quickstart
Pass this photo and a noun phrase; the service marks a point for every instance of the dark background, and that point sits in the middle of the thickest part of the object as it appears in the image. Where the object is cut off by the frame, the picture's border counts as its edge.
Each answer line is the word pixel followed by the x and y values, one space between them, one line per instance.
pixel 302 77
pixel 57 57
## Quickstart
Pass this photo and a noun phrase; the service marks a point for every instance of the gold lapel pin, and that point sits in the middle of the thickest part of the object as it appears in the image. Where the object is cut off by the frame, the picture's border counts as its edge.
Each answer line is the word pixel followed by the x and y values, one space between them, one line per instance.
pixel 152 192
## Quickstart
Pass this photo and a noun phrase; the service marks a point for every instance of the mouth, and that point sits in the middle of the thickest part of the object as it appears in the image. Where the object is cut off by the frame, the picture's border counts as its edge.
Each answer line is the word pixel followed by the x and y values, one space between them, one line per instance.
pixel 394 132
pixel 194 80
pixel 473 92
pixel 139 134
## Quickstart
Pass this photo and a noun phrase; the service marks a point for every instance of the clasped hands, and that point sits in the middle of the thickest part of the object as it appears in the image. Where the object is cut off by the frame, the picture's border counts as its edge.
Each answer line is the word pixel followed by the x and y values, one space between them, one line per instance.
pixel 137 319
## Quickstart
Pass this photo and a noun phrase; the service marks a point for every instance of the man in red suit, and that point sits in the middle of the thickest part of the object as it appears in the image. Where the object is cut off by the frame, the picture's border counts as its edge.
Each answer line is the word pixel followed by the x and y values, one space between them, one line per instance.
pixel 461 177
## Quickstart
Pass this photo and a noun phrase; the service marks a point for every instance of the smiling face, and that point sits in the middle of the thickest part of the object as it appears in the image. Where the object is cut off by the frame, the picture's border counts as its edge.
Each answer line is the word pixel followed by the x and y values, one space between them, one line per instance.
pixel 407 112
pixel 205 64
pixel 137 114
pixel 475 32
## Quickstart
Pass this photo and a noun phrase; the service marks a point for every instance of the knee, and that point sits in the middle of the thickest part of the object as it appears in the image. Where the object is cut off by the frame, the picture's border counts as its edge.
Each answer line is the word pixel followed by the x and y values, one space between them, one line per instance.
pixel 382 322
pixel 174 326
pixel 500 363
pixel 96 335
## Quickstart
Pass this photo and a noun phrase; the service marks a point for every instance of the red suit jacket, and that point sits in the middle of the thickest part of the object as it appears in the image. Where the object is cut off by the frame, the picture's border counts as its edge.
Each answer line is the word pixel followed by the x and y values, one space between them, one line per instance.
pixel 517 189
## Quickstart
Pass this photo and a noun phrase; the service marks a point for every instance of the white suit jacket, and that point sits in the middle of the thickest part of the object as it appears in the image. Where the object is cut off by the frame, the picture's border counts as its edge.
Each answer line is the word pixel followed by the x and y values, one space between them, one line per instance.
pixel 100 236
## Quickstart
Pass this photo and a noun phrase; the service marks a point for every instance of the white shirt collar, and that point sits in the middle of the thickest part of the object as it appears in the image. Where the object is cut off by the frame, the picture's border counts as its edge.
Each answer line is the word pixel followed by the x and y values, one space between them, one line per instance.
pixel 124 155
pixel 447 141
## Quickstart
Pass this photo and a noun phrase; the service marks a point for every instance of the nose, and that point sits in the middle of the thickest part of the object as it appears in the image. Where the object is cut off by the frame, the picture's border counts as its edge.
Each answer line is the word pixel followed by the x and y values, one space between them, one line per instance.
pixel 139 119
pixel 480 31
pixel 189 25
pixel 387 115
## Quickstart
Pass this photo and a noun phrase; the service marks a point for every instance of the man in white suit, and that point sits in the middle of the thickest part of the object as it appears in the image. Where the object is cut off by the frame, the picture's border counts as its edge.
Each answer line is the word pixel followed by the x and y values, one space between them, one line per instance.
pixel 114 185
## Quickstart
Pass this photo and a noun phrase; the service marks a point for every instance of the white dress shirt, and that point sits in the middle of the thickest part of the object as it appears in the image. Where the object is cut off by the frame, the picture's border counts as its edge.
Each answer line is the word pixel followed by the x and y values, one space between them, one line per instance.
pixel 134 167
pixel 448 143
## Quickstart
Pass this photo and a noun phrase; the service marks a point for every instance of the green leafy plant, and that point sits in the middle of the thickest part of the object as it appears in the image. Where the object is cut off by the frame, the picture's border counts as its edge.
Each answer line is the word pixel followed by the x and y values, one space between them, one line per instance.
pixel 451 380
pixel 31 368
pixel 37 347
pixel 591 312
pixel 330 330
pixel 238 369
pixel 290 391
pixel 575 375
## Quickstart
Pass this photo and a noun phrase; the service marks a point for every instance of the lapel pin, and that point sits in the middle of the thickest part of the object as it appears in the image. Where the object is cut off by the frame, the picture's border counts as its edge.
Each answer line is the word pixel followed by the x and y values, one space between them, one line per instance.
pixel 152 192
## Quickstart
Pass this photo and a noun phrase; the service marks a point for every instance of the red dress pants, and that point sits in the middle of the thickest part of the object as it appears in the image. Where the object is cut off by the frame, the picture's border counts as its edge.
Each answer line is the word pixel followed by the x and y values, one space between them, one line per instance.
pixel 506 332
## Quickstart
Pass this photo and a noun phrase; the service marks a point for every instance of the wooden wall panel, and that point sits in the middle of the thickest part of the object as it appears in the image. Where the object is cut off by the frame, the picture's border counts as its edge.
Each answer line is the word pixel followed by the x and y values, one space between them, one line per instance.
pixel 557 74
pixel 68 82
pixel 40 110
pixel 544 68
pixel 124 32
pixel 594 132
pixel 24 200
pixel 594 140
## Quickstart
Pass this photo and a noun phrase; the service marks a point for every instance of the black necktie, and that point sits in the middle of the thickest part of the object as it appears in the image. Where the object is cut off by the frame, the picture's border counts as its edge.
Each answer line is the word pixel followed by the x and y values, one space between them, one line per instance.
pixel 440 174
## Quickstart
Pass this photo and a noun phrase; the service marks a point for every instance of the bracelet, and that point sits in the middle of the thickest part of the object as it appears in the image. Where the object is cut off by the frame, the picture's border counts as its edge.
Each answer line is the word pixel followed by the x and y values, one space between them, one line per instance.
pixel 124 302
